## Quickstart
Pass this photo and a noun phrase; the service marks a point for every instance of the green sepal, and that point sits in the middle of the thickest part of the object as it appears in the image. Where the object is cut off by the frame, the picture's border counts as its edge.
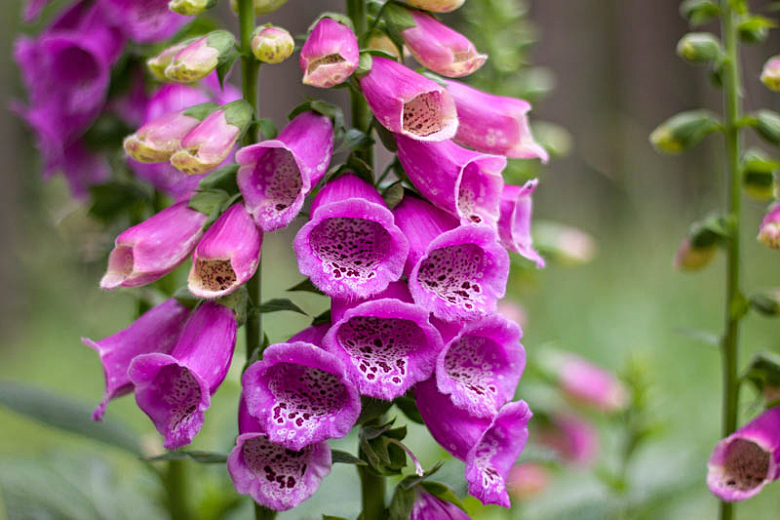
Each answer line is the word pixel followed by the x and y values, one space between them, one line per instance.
pixel 766 304
pixel 763 372
pixel 386 136
pixel 322 318
pixel 201 110
pixel 411 481
pixel 755 29
pixel 324 108
pixel 401 504
pixel 699 12
pixel 354 139
pixel 365 62
pixel 397 19
pixel 267 128
pixel 442 492
pixel 758 174
pixel 767 125
pixel 709 232
pixel 343 457
pixel 372 408
pixel 185 297
pixel 209 202
pixel 223 179
pixel 238 302
pixel 339 17
pixel 238 113
pixel 393 194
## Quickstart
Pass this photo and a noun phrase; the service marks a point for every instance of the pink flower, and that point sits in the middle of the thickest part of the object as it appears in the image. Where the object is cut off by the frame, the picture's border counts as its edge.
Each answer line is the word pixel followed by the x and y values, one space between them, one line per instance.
pixel 330 54
pixel 588 384
pixel 769 232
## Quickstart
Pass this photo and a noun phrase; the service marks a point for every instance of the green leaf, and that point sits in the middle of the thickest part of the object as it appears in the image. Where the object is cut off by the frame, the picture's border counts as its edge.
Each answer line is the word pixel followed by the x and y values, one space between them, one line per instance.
pixel 354 139
pixel 343 457
pixel 409 408
pixel 209 202
pixel 279 304
pixel 386 136
pixel 66 414
pixel 226 61
pixel 267 128
pixel 204 457
pixel 393 194
pixel 322 319
pixel 764 371
pixel 305 286
pixel 223 179
pixel 113 199
pixel 398 18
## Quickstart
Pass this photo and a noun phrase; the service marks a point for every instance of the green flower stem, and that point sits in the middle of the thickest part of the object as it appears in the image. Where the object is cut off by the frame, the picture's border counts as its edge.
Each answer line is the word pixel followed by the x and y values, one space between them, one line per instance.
pixel 175 483
pixel 732 113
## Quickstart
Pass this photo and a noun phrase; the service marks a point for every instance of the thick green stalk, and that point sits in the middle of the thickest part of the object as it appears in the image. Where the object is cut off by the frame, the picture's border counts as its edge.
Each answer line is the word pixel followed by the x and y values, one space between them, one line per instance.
pixel 175 482
pixel 731 87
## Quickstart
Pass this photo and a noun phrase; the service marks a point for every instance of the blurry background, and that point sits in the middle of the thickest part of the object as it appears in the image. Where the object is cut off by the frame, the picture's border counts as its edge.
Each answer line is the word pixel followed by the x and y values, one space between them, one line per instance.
pixel 617 77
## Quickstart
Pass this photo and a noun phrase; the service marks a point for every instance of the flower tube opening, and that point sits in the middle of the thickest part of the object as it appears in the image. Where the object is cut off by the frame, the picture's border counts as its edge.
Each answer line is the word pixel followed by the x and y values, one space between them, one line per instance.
pixel 746 468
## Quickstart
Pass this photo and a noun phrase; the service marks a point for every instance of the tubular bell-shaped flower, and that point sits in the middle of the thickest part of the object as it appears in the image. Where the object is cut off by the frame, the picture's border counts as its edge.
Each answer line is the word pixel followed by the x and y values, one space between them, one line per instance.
pixel 464 183
pixel 386 343
pixel 300 394
pixel 157 330
pixel 489 446
pixel 408 103
pixel 200 57
pixel 276 175
pixel 480 367
pixel 494 124
pixel 351 247
pixel 274 476
pixel 330 54
pixel 155 247
pixel 769 232
pixel 514 226
pixel 227 256
pixel 456 272
pixel 429 507
pixel 175 389
pixel 747 460
pixel 441 49
pixel 207 145
pixel 145 22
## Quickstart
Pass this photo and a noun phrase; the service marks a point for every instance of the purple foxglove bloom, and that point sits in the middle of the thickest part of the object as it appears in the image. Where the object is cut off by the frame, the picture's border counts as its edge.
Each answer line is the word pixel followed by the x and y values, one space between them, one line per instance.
pixel 436 6
pixel 198 58
pixel 441 49
pixel 351 247
pixel 276 175
pixel 572 437
pixel 747 460
pixel 464 183
pixel 271 44
pixel 456 272
pixel 301 395
pixel 480 367
pixel 514 226
pixel 175 389
pixel 313 334
pixel 489 446
pixel 144 21
pixel 769 232
pixel 408 103
pixel 207 145
pixel 158 140
pixel 494 124
pixel 157 330
pixel 330 54
pixel 227 255
pixel 81 167
pixel 155 247
pixel 429 507
pixel 770 74
pixel 387 343
pixel 588 384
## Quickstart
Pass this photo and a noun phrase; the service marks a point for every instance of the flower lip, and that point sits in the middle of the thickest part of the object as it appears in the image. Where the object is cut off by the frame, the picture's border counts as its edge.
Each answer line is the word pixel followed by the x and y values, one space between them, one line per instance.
pixel 740 467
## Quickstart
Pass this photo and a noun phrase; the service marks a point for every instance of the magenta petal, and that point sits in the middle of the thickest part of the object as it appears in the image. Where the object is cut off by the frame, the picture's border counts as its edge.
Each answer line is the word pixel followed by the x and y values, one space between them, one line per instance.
pixel 514 226
pixel 351 247
pixel 747 460
pixel 330 54
pixel 157 330
pixel 480 367
pixel 144 21
pixel 301 395
pixel 429 507
pixel 175 390
pixel 313 334
pixel 276 175
pixel 463 183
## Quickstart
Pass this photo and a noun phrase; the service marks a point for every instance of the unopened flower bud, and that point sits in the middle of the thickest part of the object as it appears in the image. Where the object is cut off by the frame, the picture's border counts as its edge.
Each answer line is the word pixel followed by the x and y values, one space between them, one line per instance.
pixel 758 175
pixel 770 75
pixel 207 145
pixel 191 7
pixel 767 303
pixel 683 131
pixel 201 57
pixel 261 6
pixel 691 258
pixel 330 54
pixel 436 6
pixel 769 231
pixel 272 44
pixel 159 63
pixel 564 244
pixel 699 48
pixel 379 41
pixel 768 125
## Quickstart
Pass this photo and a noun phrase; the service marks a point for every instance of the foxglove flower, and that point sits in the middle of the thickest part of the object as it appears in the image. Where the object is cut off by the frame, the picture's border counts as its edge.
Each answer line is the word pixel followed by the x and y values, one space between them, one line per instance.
pixel 770 74
pixel 155 247
pixel 158 140
pixel 351 247
pixel 572 437
pixel 494 124
pixel 769 232
pixel 439 48
pixel 464 183
pixel 276 175
pixel 514 226
pixel 274 476
pixel 271 44
pixel 588 384
pixel 200 57
pixel 408 103
pixel 159 63
pixel 227 256
pixel 175 389
pixel 489 446
pixel 456 272
pixel 207 145
pixel 429 507
pixel 436 6
pixel 747 460
pixel 480 367
pixel 157 330
pixel 300 395
pixel 528 480
pixel 145 22
pixel 386 343
pixel 330 54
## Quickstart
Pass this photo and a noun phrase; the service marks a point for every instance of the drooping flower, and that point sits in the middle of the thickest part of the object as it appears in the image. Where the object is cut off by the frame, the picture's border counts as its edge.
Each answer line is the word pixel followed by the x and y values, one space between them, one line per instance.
pixel 572 437
pixel 747 460
pixel 227 256
pixel 200 57
pixel 175 389
pixel 527 480
pixel 274 476
pixel 408 103
pixel 441 49
pixel 428 507
pixel 436 6
pixel 330 54
pixel 300 395
pixel 456 272
pixel 589 384
pixel 146 21
pixel 489 446
pixel 272 44
pixel 770 74
pixel 276 175
pixel 480 367
pixel 769 231
pixel 207 145
pixel 157 330
pixel 386 343
pixel 351 247
pixel 514 226
pixel 155 247
pixel 494 124
pixel 464 183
